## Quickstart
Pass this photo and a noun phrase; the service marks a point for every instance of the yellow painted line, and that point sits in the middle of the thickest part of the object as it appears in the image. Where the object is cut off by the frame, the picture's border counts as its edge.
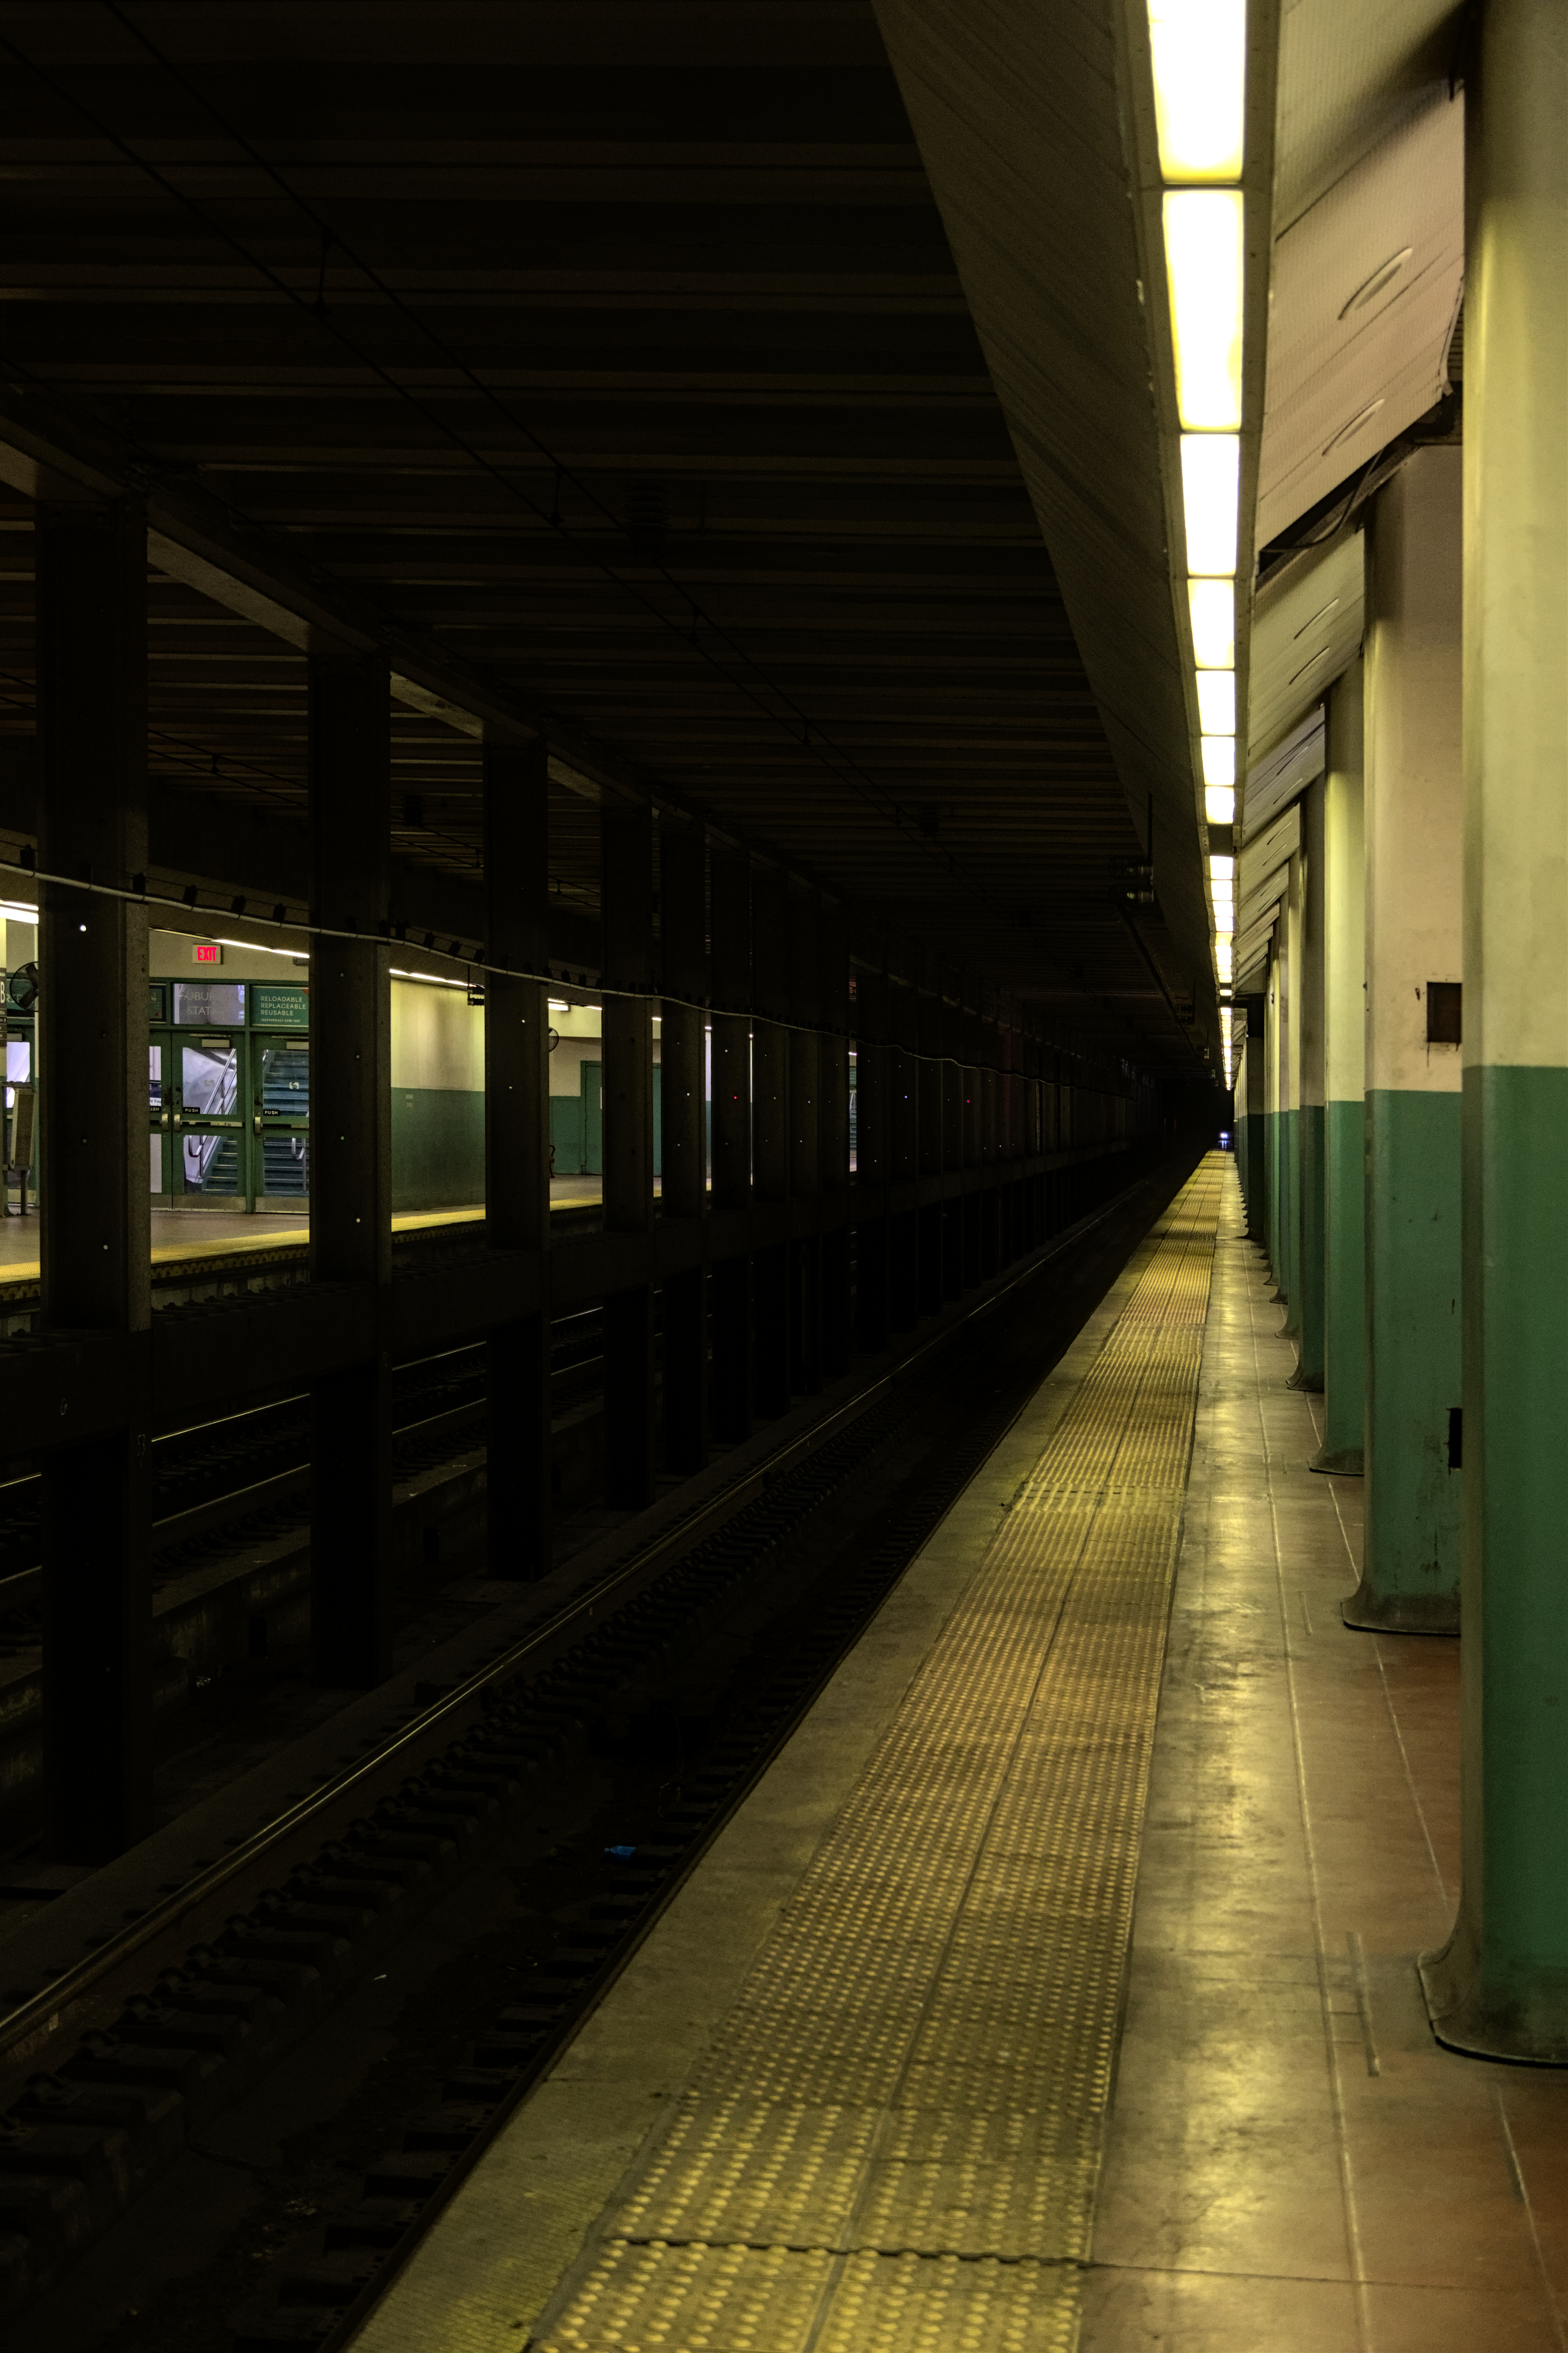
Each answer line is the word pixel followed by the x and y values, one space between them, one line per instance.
pixel 266 1237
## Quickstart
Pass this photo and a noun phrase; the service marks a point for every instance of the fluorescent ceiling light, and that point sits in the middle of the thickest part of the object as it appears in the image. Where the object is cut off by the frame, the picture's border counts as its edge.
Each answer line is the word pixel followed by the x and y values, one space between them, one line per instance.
pixel 1212 605
pixel 254 947
pixel 1219 804
pixel 1199 54
pixel 439 978
pixel 19 907
pixel 559 1004
pixel 1220 760
pixel 1204 247
pixel 1216 701
pixel 1221 868
pixel 1211 489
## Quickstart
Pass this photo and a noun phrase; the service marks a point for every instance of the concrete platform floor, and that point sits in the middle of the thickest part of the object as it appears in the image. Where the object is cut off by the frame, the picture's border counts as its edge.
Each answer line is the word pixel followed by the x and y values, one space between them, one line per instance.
pixel 1293 2164
pixel 215 1233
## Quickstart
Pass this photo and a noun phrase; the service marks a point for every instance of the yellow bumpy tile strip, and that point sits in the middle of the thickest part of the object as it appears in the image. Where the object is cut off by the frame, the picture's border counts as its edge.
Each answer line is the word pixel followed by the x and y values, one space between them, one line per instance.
pixel 895 2139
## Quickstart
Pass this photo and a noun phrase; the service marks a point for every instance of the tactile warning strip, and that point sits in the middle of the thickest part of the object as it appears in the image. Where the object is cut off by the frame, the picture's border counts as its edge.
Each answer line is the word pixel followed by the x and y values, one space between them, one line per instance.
pixel 895 2139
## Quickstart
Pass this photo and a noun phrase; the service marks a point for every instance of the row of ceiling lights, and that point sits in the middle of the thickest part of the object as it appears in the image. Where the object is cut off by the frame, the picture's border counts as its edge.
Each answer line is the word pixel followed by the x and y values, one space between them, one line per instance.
pixel 1199 55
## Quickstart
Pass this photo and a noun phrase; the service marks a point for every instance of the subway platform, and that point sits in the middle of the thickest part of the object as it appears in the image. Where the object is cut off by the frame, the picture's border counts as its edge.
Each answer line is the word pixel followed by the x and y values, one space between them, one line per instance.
pixel 1056 1986
pixel 179 1235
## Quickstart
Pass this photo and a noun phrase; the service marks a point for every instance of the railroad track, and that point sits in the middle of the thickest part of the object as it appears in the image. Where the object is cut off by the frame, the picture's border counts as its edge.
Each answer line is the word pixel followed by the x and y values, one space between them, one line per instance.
pixel 772 1577
pixel 212 1479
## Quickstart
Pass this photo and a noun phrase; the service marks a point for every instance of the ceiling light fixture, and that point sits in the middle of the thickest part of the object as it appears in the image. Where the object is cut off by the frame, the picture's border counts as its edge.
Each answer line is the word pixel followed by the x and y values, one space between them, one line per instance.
pixel 1211 607
pixel 1198 50
pixel 1219 804
pixel 1220 760
pixel 1211 495
pixel 1216 701
pixel 1204 261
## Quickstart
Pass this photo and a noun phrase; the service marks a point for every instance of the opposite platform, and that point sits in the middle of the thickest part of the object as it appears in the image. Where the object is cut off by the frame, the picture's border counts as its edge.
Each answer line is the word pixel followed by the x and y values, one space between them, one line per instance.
pixel 852 2090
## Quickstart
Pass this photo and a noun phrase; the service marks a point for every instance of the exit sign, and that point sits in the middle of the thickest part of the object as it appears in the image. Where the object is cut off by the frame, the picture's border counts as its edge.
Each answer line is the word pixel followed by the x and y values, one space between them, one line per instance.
pixel 206 952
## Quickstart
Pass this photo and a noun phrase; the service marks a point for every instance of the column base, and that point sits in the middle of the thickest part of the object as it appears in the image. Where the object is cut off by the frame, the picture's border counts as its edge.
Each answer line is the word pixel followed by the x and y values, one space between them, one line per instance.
pixel 1309 1383
pixel 1525 2033
pixel 1367 1612
pixel 1340 1461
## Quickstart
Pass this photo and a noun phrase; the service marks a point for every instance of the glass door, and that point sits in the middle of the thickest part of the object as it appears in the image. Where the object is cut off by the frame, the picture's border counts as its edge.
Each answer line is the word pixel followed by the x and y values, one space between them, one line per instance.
pixel 280 1112
pixel 209 1121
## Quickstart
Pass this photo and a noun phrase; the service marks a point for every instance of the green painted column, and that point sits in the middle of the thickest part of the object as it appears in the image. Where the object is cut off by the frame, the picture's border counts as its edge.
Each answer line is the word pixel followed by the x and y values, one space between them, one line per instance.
pixel 1250 1119
pixel 1410 1579
pixel 1501 1985
pixel 1285 1006
pixel 1274 1109
pixel 1309 1295
pixel 1344 1087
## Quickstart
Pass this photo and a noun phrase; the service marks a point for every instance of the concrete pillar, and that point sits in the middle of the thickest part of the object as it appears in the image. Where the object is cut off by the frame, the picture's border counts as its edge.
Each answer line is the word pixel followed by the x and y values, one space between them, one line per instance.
pixel 1344 1088
pixel 351 1165
pixel 626 901
pixel 517 1150
pixel 95 1233
pixel 1283 1063
pixel 683 937
pixel 1251 1104
pixel 872 1120
pixel 1273 1026
pixel 1410 1579
pixel 770 1139
pixel 1501 1985
pixel 1309 1147
pixel 833 1137
pixel 731 986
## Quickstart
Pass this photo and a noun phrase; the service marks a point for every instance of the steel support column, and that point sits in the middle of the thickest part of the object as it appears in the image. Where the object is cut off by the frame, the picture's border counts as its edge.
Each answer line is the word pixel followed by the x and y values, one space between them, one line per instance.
pixel 971 1148
pixel 805 1144
pixel 96 1242
pixel 903 1225
pixel 833 1137
pixel 683 937
pixel 872 1120
pixel 952 1150
pixel 517 1150
pixel 732 1085
pixel 770 1139
pixel 626 899
pixel 928 1031
pixel 350 1164
pixel 990 1223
